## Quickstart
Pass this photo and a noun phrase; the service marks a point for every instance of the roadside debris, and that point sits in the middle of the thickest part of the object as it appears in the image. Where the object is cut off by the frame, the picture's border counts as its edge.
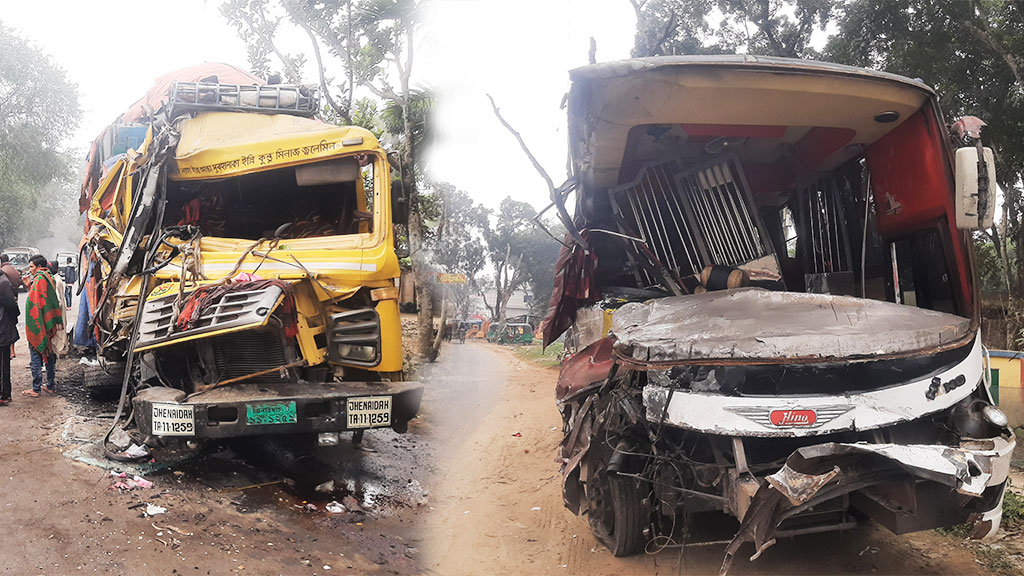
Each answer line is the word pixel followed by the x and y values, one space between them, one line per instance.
pixel 333 507
pixel 136 451
pixel 351 504
pixel 170 528
pixel 126 484
pixel 120 439
pixel 153 510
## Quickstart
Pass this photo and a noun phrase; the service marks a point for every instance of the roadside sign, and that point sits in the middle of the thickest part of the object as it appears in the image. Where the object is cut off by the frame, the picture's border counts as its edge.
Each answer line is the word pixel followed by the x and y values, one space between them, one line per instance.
pixel 444 278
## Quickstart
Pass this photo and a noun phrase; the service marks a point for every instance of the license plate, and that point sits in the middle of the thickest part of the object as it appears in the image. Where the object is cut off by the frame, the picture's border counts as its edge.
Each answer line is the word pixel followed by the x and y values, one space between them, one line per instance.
pixel 270 413
pixel 369 412
pixel 174 420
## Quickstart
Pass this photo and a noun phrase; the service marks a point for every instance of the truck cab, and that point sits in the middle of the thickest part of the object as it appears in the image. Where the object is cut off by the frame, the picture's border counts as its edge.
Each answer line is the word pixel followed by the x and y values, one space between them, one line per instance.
pixel 240 267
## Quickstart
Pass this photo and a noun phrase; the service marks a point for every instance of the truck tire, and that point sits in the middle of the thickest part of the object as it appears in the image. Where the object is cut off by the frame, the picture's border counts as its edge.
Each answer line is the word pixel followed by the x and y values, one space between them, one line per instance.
pixel 615 506
pixel 103 378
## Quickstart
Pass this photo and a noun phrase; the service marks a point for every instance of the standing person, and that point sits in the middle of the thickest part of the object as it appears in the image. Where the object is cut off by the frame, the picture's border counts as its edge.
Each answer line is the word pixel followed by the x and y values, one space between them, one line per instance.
pixel 70 275
pixel 14 276
pixel 10 271
pixel 8 335
pixel 42 319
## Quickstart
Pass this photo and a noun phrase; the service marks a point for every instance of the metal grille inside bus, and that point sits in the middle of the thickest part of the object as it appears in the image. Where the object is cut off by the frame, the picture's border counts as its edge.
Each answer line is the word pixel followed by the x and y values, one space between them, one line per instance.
pixel 691 219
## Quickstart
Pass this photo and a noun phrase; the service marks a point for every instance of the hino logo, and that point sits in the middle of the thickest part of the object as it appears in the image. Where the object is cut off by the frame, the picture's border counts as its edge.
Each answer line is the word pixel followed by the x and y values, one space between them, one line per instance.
pixel 792 417
pixel 788 418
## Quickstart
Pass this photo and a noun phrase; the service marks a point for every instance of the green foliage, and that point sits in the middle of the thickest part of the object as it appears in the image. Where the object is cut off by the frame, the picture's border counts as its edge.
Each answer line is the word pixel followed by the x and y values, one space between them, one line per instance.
pixel 385 26
pixel 420 108
pixel 1013 510
pixel 991 271
pixel 458 234
pixel 38 108
pixel 764 27
pixel 456 239
pixel 550 356
pixel 522 253
pixel 257 23
pixel 365 115
pixel 972 53
pixel 539 257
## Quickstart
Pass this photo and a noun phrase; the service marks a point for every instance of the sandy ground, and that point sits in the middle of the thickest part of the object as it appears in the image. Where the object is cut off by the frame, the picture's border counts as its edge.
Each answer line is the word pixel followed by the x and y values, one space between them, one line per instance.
pixel 498 507
pixel 60 516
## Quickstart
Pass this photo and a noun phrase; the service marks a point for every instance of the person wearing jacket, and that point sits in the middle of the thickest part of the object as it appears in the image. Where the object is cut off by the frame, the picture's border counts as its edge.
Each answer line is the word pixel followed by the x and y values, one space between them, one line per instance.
pixel 8 335
pixel 12 273
pixel 14 276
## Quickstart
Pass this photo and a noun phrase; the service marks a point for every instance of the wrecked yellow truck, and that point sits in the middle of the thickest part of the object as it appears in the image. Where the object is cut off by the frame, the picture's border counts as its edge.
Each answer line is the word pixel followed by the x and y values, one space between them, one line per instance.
pixel 770 289
pixel 239 266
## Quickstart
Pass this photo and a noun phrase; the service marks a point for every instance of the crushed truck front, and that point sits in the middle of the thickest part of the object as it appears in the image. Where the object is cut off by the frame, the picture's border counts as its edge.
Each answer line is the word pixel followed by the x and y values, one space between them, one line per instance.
pixel 260 240
pixel 772 299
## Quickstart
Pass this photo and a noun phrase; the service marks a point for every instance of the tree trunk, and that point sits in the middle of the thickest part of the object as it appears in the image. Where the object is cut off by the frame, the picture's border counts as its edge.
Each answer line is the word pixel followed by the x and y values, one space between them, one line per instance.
pixel 435 348
pixel 417 252
pixel 420 269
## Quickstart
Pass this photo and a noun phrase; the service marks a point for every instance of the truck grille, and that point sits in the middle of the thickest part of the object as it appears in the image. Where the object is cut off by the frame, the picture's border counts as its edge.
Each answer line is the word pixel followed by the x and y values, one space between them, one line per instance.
pixel 354 337
pixel 247 352
pixel 233 310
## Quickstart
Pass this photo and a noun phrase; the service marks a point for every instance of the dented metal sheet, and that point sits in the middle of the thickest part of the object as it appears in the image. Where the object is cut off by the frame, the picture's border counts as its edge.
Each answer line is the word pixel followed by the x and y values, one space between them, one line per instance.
pixel 798 487
pixel 757 324
pixel 966 469
pixel 814 474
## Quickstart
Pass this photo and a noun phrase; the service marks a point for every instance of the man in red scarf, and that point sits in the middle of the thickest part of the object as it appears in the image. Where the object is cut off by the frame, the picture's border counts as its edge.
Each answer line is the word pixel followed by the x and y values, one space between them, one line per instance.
pixel 42 318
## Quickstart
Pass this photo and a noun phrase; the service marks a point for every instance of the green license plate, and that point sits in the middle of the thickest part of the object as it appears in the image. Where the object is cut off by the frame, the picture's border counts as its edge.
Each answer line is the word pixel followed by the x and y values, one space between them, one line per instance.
pixel 270 413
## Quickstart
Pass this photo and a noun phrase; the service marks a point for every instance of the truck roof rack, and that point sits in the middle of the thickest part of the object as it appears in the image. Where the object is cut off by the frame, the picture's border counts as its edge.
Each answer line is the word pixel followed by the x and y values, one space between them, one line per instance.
pixel 271 99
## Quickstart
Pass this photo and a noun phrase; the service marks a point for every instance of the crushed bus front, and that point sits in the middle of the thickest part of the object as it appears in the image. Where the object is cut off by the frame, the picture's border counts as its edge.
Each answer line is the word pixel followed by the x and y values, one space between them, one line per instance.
pixel 771 296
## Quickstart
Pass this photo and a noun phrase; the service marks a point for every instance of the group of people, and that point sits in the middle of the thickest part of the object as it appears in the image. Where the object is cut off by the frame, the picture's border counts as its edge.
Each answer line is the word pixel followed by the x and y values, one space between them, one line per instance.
pixel 44 321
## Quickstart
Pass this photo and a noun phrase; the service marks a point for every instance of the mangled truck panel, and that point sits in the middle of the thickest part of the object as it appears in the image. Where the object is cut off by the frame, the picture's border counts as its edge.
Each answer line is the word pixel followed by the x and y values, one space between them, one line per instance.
pixel 259 242
pixel 768 283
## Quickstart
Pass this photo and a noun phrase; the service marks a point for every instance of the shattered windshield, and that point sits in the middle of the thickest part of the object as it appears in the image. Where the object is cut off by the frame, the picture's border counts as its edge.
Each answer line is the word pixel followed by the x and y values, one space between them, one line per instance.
pixel 329 198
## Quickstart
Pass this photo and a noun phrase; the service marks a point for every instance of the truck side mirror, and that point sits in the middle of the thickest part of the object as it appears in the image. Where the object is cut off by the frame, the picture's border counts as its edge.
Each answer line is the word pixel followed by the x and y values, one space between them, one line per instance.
pixel 975 188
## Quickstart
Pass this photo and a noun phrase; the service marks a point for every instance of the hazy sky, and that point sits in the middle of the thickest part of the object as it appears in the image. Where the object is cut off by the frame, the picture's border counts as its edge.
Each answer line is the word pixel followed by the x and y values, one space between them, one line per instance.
pixel 519 51
pixel 114 49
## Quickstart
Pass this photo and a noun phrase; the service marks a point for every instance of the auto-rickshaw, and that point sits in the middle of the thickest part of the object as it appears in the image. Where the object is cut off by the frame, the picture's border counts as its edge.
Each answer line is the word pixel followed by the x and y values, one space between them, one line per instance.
pixel 516 334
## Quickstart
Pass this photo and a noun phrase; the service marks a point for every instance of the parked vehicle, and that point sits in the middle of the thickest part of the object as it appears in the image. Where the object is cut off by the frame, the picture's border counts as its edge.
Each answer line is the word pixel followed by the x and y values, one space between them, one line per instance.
pixel 516 334
pixel 19 256
pixel 771 289
pixel 62 259
pixel 259 242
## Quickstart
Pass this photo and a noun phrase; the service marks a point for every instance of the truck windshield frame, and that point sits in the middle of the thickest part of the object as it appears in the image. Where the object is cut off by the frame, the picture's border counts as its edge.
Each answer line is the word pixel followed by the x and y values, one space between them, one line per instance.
pixel 363 203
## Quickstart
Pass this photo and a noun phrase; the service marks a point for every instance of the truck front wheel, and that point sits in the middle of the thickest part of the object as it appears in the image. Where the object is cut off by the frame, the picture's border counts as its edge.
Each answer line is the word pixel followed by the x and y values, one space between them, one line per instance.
pixel 103 379
pixel 615 505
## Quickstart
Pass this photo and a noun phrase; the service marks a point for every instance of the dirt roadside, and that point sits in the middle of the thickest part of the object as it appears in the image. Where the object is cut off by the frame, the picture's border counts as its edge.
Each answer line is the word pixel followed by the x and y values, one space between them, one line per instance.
pixel 498 510
pixel 60 516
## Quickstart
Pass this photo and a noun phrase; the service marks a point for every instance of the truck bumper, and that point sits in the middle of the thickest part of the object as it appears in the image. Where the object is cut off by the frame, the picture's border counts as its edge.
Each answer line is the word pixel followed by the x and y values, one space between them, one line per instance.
pixel 259 409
